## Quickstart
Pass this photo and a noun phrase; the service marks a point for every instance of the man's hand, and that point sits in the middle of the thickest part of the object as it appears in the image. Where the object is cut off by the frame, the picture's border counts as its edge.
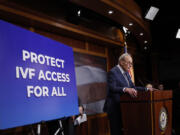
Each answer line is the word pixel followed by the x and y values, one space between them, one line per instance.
pixel 131 91
pixel 152 89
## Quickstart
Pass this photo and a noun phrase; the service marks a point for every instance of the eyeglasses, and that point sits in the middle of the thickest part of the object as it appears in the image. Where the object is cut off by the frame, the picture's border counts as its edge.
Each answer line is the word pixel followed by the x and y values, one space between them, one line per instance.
pixel 128 62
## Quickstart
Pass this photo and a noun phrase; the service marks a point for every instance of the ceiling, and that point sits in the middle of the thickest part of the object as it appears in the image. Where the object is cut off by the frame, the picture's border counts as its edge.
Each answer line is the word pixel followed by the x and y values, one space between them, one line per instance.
pixel 164 43
pixel 165 25
pixel 163 28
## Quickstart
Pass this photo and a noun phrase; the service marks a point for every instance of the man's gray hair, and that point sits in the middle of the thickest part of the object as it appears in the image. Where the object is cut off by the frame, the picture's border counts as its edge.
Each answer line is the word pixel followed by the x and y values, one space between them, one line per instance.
pixel 123 56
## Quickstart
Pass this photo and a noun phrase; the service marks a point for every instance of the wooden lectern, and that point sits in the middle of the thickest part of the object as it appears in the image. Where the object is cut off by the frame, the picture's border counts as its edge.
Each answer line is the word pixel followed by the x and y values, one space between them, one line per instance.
pixel 148 114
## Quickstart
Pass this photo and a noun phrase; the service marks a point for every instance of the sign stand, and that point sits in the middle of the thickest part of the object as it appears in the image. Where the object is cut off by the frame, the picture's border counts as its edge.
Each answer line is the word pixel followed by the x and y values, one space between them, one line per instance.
pixel 39 129
pixel 32 130
pixel 60 129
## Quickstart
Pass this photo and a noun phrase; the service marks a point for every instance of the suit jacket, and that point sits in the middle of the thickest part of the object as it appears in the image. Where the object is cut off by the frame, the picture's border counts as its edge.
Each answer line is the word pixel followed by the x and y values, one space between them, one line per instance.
pixel 116 82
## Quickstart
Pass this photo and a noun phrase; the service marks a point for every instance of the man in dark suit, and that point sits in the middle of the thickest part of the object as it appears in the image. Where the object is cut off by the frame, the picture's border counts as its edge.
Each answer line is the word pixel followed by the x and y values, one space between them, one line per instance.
pixel 119 82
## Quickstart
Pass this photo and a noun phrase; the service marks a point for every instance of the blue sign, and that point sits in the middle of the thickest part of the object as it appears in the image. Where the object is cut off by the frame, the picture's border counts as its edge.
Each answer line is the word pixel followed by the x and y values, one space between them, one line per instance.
pixel 37 78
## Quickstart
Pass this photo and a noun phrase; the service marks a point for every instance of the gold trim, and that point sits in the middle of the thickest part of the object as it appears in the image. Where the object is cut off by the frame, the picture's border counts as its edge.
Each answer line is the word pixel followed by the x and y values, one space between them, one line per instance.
pixel 152 117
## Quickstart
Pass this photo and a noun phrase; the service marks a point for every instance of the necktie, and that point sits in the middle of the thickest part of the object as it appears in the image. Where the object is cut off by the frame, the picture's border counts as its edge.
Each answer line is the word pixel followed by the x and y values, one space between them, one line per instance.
pixel 126 77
